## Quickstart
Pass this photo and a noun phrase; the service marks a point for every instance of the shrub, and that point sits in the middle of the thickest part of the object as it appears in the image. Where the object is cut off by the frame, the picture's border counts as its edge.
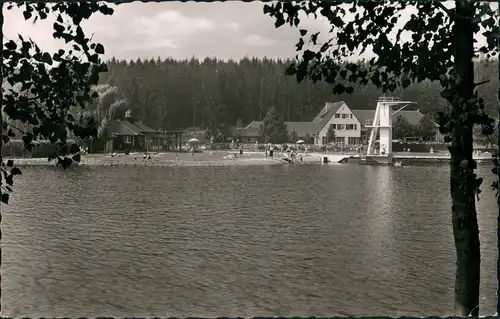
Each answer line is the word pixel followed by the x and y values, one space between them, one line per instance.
pixel 16 149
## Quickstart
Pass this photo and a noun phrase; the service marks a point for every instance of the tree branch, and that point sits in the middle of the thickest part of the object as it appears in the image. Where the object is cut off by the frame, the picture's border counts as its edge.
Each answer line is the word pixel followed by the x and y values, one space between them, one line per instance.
pixel 481 83
pixel 26 99
pixel 441 6
pixel 17 128
pixel 452 13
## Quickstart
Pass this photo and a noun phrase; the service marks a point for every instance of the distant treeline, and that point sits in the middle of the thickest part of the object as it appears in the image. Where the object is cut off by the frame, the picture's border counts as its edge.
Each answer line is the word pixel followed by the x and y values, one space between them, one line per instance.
pixel 215 94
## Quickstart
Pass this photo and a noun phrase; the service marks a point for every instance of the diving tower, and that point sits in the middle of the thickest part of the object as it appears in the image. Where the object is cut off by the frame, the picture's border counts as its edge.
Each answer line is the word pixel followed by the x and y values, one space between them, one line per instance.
pixel 382 125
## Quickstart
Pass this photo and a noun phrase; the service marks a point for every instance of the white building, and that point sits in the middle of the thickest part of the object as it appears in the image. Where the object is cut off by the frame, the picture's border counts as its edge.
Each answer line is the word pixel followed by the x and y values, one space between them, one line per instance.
pixel 349 125
pixel 345 124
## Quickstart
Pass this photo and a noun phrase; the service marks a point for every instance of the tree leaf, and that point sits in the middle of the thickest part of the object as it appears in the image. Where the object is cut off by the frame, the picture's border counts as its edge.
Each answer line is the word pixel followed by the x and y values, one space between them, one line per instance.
pixel 27 14
pixel 5 198
pixel 16 171
pixel 77 158
pixel 99 48
pixel 9 179
pixel 10 45
pixel 47 58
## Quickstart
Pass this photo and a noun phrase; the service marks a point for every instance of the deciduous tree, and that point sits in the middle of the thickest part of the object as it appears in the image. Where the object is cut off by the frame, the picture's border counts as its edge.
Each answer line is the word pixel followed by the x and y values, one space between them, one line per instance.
pixel 41 89
pixel 293 138
pixel 426 128
pixel 237 133
pixel 402 128
pixel 330 135
pixel 441 50
pixel 309 139
pixel 274 128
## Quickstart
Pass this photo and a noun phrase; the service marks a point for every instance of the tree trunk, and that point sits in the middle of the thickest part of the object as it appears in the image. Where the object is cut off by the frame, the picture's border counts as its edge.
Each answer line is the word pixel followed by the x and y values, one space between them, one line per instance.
pixel 1 125
pixel 464 215
pixel 498 178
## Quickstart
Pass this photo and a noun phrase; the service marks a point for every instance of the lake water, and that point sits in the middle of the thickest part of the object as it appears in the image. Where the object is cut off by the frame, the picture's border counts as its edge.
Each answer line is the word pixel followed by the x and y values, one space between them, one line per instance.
pixel 303 240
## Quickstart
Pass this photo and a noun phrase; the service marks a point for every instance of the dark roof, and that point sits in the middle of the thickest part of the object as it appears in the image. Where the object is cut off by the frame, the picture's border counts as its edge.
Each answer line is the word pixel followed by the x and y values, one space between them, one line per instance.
pixel 326 113
pixel 123 127
pixel 301 128
pixel 252 129
pixel 413 117
pixel 144 128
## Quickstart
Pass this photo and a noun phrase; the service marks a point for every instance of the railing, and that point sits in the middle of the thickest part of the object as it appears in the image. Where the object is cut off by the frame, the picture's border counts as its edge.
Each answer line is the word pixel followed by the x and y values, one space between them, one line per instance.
pixel 388 99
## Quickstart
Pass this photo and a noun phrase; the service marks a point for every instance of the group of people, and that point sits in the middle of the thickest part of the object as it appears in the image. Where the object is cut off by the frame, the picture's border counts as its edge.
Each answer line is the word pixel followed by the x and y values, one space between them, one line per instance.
pixel 291 154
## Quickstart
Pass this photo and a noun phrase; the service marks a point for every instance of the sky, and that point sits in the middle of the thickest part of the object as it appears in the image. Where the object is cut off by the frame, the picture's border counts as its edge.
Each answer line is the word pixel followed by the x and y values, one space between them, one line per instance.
pixel 178 29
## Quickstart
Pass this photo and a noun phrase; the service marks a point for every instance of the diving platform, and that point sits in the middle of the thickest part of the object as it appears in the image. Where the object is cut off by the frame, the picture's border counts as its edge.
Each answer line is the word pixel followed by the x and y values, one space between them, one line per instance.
pixel 404 158
pixel 382 128
pixel 331 158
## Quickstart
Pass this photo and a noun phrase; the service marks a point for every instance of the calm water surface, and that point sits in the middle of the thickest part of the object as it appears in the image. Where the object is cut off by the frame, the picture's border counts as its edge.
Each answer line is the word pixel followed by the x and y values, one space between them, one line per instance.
pixel 304 240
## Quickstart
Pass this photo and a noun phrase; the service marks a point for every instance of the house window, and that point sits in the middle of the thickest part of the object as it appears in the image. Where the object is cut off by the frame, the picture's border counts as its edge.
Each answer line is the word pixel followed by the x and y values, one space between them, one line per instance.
pixel 355 126
pixel 350 116
pixel 337 115
pixel 345 116
pixel 354 140
pixel 333 126
pixel 127 139
pixel 340 126
pixel 339 140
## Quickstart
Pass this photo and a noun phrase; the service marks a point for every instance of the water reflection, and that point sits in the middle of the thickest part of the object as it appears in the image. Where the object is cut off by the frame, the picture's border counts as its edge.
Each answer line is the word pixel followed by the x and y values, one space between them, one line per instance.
pixel 380 197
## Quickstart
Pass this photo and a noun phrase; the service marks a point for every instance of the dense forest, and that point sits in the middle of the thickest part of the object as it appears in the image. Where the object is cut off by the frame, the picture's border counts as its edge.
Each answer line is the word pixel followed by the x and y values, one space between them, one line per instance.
pixel 216 94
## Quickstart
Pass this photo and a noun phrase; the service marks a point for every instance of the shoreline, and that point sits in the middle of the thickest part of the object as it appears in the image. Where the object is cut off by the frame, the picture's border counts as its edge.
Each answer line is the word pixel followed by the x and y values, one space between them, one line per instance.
pixel 200 159
pixel 153 162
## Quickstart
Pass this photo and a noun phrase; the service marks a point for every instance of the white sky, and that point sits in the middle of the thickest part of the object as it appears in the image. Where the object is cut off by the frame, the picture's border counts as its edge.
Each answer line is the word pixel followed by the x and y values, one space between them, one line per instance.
pixel 177 29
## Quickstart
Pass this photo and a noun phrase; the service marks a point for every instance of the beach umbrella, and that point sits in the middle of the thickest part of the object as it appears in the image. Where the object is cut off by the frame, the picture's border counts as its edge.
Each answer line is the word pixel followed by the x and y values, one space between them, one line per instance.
pixel 194 140
pixel 300 142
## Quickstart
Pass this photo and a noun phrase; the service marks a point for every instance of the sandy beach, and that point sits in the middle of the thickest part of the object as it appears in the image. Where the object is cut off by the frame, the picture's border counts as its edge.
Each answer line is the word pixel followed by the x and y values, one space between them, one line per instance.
pixel 222 158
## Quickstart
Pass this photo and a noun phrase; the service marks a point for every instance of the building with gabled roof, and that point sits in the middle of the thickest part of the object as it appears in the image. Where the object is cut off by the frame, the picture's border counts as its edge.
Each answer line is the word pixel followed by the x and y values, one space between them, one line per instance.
pixel 134 135
pixel 350 126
